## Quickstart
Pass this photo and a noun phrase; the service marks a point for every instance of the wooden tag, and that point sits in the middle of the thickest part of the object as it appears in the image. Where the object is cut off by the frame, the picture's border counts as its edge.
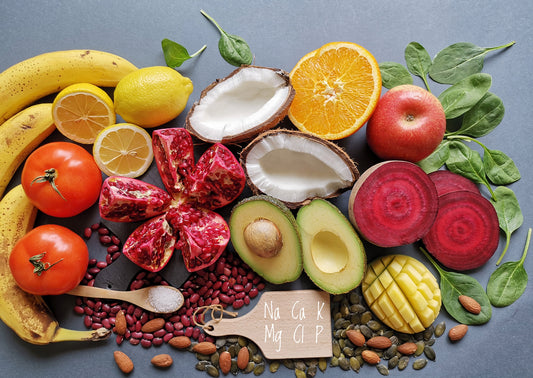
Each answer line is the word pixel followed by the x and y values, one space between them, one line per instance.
pixel 284 324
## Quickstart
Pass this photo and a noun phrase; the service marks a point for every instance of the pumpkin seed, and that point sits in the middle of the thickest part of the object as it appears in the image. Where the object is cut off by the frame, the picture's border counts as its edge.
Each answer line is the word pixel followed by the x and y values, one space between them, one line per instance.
pixel 374 325
pixel 214 358
pixel 439 329
pixel 299 373
pixel 274 366
pixel 336 349
pixel 334 361
pixel 390 352
pixel 403 362
pixel 322 364
pixel 212 371
pixel 311 372
pixel 242 341
pixel 354 297
pixel 430 353
pixel 348 352
pixel 201 365
pixel 203 357
pixel 300 365
pixel 383 370
pixel 428 333
pixel 344 363
pixel 233 350
pixel 249 368
pixel 220 342
pixel 420 345
pixel 430 342
pixel 393 362
pixel 289 364
pixel 354 364
pixel 366 317
pixel 367 332
pixel 419 363
pixel 310 362
pixel 259 369
pixel 233 339
pixel 257 358
pixel 252 347
pixel 234 369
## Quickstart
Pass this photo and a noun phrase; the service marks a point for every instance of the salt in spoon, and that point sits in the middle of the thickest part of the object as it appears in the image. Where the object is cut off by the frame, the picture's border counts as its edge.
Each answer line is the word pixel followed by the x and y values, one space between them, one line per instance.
pixel 159 299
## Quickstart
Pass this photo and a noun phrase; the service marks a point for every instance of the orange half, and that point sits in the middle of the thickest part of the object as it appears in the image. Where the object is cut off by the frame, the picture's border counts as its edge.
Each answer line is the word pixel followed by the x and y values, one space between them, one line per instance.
pixel 337 89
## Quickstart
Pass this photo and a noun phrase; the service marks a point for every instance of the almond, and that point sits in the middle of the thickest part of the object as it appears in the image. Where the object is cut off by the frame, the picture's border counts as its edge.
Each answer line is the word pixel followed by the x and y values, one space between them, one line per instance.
pixel 162 360
pixel 243 357
pixel 356 337
pixel 470 304
pixel 124 363
pixel 379 342
pixel 457 332
pixel 370 357
pixel 153 325
pixel 224 362
pixel 180 342
pixel 407 348
pixel 205 347
pixel 120 323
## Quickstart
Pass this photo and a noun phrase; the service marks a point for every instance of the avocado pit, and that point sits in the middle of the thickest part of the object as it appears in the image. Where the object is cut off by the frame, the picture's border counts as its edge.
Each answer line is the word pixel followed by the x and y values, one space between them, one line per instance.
pixel 263 238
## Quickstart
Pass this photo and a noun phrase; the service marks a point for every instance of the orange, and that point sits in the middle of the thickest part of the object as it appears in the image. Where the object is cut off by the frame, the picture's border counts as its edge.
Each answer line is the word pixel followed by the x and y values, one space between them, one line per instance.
pixel 337 89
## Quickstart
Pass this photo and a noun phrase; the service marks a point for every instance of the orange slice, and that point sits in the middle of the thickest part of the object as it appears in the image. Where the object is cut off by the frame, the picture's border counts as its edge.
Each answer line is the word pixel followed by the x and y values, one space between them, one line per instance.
pixel 81 111
pixel 337 89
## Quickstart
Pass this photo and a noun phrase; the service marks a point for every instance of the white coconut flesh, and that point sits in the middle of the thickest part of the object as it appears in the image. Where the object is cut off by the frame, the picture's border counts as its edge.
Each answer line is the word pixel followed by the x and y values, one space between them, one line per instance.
pixel 239 103
pixel 294 168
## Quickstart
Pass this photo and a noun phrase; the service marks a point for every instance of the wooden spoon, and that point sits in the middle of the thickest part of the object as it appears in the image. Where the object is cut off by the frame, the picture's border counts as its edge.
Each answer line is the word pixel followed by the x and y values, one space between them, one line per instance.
pixel 159 299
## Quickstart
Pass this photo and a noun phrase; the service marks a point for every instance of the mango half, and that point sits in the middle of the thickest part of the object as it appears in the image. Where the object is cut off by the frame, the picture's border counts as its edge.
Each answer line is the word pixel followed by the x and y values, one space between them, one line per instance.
pixel 402 293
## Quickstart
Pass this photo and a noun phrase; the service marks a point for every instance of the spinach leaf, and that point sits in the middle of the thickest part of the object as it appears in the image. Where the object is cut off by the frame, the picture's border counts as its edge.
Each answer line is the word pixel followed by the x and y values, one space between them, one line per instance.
pixel 394 74
pixel 437 158
pixel 509 213
pixel 418 61
pixel 483 117
pixel 452 285
pixel 499 168
pixel 508 282
pixel 175 54
pixel 462 96
pixel 232 48
pixel 458 61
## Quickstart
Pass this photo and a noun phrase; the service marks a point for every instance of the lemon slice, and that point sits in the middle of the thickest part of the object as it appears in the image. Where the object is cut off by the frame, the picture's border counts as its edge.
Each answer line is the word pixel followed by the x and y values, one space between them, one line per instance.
pixel 123 149
pixel 81 111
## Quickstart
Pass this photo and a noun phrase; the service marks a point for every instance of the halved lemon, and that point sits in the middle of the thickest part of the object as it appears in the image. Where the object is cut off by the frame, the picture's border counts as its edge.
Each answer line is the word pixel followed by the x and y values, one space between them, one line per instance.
pixel 81 111
pixel 337 89
pixel 123 149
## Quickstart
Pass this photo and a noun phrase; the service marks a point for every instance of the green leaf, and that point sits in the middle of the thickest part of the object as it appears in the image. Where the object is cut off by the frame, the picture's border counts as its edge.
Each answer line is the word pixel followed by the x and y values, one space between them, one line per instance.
pixel 510 217
pixel 462 96
pixel 418 60
pixel 175 54
pixel 232 48
pixel 458 61
pixel 483 117
pixel 452 285
pixel 466 162
pixel 499 168
pixel 394 74
pixel 437 158
pixel 508 282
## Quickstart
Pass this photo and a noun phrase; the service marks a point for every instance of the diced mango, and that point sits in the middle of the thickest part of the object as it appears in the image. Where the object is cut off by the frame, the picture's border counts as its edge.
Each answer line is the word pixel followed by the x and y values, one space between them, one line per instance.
pixel 402 293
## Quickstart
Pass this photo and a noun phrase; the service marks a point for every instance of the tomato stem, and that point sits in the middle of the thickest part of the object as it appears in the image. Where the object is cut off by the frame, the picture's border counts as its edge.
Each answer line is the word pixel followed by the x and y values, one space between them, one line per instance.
pixel 49 176
pixel 40 266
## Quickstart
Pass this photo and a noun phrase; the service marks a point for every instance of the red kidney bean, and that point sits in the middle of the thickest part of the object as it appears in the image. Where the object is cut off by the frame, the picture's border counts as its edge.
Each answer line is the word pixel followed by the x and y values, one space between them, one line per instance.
pixel 157 341
pixel 238 303
pixel 79 310
pixel 87 232
pixel 167 337
pixel 119 339
pixel 134 341
pixel 148 336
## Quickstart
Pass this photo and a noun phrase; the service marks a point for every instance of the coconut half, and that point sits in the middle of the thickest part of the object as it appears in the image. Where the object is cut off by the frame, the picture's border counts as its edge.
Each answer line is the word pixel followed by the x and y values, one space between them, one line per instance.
pixel 296 167
pixel 249 101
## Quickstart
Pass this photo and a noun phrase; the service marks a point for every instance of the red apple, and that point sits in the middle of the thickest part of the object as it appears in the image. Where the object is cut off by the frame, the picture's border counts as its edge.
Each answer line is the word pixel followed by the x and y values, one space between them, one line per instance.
pixel 408 124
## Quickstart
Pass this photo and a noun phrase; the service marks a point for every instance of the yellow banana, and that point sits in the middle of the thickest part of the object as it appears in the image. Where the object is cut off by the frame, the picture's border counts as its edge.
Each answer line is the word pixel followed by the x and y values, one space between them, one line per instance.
pixel 27 81
pixel 19 136
pixel 27 314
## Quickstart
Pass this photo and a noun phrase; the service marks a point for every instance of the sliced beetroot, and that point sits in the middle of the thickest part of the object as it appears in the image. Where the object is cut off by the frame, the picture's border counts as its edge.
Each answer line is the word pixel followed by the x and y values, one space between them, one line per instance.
pixel 151 245
pixel 124 199
pixel 393 203
pixel 465 233
pixel 447 181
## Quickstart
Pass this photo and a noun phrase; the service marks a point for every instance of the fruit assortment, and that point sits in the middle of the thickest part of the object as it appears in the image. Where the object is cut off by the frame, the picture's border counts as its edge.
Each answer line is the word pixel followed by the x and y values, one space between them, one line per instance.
pixel 393 203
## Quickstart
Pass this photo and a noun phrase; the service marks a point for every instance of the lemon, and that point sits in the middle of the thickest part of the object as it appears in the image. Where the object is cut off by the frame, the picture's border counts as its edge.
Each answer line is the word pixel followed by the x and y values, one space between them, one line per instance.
pixel 152 96
pixel 123 149
pixel 81 111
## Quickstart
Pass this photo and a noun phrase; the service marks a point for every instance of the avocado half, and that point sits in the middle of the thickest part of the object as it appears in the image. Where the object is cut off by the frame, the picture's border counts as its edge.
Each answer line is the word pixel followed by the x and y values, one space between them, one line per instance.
pixel 334 257
pixel 273 251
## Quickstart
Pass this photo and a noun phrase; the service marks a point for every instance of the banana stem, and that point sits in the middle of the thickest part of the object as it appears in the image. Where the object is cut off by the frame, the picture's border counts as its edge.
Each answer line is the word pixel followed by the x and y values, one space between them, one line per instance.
pixel 64 334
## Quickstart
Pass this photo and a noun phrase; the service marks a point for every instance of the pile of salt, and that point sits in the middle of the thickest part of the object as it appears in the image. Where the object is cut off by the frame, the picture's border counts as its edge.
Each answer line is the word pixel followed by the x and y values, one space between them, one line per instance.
pixel 165 299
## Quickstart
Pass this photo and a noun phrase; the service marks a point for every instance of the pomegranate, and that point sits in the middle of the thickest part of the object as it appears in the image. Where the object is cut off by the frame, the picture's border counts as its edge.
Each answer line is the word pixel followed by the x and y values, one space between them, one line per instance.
pixel 183 218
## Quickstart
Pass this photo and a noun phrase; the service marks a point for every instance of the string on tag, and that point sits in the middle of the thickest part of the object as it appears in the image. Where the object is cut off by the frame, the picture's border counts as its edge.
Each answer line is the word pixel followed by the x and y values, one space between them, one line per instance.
pixel 214 308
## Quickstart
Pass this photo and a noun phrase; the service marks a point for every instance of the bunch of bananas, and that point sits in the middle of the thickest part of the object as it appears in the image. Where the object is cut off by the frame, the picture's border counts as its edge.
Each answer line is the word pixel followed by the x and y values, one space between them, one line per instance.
pixel 22 128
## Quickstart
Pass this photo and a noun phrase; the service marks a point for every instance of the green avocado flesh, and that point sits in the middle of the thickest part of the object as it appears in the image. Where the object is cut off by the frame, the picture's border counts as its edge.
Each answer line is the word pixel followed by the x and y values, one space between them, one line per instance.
pixel 334 257
pixel 286 264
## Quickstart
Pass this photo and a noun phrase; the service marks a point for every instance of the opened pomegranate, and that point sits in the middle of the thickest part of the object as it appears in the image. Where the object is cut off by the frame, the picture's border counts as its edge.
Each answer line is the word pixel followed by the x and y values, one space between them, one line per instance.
pixel 185 219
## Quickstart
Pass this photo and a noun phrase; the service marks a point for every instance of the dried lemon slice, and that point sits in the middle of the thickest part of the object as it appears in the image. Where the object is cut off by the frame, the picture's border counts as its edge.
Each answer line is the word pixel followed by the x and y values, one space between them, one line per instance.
pixel 402 293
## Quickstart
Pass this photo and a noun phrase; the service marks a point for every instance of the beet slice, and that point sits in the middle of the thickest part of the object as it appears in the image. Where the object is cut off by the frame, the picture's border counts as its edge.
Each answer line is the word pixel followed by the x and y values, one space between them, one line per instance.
pixel 447 181
pixel 465 233
pixel 393 203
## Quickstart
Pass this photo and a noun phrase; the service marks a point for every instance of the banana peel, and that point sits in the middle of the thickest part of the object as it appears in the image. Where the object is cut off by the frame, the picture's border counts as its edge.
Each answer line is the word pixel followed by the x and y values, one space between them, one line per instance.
pixel 26 314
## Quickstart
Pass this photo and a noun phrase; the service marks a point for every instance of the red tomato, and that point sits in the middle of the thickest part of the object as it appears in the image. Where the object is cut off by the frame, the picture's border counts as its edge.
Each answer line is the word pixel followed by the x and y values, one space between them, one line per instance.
pixel 61 179
pixel 49 260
